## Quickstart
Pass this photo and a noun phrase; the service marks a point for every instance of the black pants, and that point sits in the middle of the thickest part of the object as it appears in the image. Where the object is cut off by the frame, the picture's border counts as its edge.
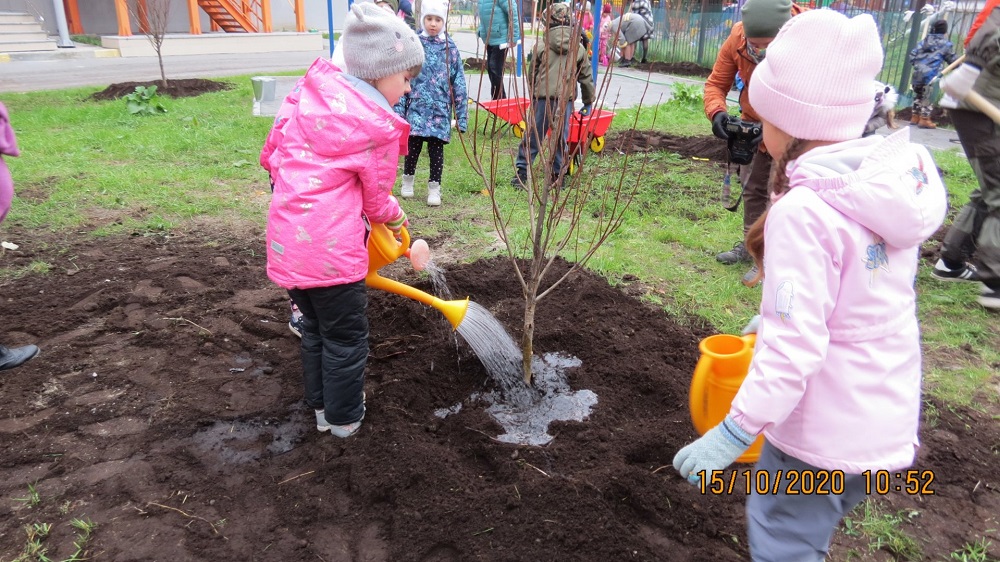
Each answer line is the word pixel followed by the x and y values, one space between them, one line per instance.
pixel 435 148
pixel 495 57
pixel 976 229
pixel 334 349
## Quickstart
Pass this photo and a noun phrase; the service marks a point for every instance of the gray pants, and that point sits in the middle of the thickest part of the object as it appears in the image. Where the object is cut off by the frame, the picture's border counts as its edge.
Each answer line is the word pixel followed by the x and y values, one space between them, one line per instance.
pixel 977 227
pixel 795 528
pixel 754 178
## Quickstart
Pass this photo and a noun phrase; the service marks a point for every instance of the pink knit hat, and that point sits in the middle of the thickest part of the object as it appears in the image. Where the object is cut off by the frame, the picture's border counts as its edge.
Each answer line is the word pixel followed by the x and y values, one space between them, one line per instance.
pixel 815 82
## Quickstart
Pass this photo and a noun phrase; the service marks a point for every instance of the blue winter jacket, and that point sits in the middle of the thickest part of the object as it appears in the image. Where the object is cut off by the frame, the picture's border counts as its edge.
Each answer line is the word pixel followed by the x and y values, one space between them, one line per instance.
pixel 499 22
pixel 437 92
pixel 929 57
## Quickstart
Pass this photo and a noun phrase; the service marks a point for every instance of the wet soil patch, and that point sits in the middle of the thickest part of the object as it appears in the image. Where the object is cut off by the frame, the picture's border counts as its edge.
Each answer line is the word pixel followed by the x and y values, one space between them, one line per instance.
pixel 176 88
pixel 166 407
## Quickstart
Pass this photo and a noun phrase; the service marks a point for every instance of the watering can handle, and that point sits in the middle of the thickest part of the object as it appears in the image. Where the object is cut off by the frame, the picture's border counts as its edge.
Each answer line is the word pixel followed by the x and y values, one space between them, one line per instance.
pixel 699 386
pixel 404 236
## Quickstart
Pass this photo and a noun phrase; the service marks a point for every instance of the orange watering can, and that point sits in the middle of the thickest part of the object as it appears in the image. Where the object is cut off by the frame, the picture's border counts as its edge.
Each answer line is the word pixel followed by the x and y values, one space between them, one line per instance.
pixel 720 371
pixel 383 249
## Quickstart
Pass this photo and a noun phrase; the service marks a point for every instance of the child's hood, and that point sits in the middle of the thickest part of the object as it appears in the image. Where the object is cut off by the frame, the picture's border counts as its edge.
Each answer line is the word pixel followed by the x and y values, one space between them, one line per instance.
pixel 345 111
pixel 886 184
pixel 560 39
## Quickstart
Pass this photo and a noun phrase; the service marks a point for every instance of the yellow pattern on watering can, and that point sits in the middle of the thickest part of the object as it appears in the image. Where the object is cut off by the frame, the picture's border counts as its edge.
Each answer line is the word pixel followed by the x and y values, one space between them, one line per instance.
pixel 720 371
pixel 383 249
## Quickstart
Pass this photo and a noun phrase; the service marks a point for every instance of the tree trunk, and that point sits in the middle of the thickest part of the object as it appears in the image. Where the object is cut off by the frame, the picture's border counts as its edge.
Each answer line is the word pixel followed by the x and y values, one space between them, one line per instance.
pixel 163 73
pixel 529 332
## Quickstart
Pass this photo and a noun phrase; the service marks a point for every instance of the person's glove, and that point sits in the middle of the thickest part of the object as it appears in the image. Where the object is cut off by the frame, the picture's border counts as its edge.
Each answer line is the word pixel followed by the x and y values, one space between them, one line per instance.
pixel 752 326
pixel 719 121
pixel 959 83
pixel 398 223
pixel 586 109
pixel 928 9
pixel 715 450
pixel 948 102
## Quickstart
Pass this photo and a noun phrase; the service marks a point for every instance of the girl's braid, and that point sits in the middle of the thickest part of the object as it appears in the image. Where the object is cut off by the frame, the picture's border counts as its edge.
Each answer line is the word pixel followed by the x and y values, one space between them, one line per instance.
pixel 777 185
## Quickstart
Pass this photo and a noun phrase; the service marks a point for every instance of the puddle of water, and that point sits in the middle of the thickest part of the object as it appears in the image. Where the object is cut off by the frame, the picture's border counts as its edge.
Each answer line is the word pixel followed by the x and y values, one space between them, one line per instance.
pixel 238 442
pixel 528 423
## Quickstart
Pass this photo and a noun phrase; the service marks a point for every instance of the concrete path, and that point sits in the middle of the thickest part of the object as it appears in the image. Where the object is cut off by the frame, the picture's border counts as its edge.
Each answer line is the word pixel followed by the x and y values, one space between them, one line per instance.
pixel 92 66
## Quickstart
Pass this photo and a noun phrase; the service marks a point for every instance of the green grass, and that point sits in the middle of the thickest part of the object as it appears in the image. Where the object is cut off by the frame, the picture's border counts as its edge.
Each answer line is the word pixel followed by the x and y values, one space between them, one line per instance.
pixel 90 167
pixel 883 530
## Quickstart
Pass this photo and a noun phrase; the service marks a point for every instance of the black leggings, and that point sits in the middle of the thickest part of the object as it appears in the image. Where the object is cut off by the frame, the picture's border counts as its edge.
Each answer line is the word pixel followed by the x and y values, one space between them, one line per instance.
pixel 435 147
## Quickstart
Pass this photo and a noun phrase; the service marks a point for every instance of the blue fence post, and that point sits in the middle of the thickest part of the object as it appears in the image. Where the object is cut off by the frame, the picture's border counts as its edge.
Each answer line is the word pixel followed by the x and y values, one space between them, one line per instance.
pixel 904 78
pixel 596 39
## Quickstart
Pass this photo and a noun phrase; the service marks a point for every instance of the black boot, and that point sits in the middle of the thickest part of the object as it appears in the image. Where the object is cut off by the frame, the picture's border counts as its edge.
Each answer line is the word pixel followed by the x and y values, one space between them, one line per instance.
pixel 14 357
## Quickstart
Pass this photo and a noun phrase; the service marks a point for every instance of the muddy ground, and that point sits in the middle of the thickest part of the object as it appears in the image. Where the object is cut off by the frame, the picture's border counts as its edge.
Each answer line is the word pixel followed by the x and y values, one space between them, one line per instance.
pixel 166 408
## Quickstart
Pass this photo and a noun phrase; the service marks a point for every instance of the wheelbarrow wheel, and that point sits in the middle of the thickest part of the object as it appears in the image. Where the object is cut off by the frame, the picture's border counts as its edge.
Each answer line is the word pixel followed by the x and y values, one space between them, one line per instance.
pixel 519 129
pixel 574 164
pixel 597 144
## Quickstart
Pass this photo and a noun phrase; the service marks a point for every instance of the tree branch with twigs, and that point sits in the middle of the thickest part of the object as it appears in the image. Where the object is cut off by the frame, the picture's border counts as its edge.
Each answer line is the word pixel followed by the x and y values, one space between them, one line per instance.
pixel 572 209
pixel 153 16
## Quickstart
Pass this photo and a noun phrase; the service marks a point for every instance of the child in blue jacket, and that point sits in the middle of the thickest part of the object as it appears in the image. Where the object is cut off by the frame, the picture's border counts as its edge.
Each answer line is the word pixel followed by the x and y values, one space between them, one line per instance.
pixel 438 93
pixel 928 58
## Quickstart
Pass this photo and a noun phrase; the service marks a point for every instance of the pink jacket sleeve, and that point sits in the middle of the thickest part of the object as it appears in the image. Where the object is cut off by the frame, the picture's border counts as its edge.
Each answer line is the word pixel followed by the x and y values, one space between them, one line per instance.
pixel 276 133
pixel 798 296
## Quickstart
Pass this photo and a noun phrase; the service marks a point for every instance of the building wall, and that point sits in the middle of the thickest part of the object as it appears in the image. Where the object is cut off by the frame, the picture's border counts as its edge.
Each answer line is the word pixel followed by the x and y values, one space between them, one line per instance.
pixel 98 16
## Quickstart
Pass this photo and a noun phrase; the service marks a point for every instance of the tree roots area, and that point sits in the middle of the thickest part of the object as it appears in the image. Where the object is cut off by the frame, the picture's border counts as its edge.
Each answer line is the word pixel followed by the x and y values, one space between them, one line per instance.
pixel 166 408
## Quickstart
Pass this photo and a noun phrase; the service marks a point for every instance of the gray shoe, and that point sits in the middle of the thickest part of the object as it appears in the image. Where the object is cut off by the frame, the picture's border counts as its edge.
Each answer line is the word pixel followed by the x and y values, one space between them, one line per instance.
pixel 738 254
pixel 750 278
pixel 11 357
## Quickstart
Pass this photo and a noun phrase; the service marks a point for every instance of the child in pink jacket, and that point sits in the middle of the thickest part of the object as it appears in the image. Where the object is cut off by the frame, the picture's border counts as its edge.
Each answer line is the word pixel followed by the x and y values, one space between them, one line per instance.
pixel 332 158
pixel 834 385
pixel 10 357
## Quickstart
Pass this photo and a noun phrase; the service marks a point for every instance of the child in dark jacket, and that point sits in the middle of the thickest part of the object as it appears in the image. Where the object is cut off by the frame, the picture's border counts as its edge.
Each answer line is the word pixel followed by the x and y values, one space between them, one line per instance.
pixel 928 58
pixel 553 91
pixel 438 93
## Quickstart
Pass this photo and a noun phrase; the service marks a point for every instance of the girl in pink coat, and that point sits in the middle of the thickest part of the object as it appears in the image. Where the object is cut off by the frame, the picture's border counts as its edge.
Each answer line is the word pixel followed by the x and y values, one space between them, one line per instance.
pixel 834 385
pixel 332 156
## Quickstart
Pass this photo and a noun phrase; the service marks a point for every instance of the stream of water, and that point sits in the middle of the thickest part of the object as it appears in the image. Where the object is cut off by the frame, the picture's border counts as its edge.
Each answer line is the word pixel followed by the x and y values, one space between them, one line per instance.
pixel 523 411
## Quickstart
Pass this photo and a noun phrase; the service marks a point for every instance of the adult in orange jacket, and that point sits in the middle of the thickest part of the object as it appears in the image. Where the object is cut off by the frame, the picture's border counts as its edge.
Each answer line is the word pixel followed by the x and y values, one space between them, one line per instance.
pixel 741 52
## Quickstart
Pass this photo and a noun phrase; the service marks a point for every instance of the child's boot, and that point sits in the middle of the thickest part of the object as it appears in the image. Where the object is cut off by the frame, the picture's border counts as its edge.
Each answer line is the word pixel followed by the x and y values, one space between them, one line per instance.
pixel 926 123
pixel 433 193
pixel 407 190
pixel 915 115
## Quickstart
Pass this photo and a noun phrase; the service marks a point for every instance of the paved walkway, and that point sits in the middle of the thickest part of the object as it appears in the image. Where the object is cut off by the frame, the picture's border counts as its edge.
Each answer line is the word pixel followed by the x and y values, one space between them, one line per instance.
pixel 86 65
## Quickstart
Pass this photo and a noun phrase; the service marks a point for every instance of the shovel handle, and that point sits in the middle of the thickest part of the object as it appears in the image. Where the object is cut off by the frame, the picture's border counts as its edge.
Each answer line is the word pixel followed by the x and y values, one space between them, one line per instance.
pixel 984 105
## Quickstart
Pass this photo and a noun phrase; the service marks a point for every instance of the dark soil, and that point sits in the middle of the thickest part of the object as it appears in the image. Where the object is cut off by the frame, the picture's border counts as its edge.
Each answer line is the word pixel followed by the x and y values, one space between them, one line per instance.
pixel 176 88
pixel 678 68
pixel 703 148
pixel 940 117
pixel 473 63
pixel 166 407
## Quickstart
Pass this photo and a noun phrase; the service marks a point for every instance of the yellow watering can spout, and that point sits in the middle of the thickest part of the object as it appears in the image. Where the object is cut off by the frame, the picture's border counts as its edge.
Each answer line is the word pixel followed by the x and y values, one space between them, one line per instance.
pixel 383 249
pixel 720 371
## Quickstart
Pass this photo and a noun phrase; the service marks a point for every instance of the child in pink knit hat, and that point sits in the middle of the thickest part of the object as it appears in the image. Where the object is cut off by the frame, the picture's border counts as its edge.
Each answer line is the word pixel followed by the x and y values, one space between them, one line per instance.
pixel 834 386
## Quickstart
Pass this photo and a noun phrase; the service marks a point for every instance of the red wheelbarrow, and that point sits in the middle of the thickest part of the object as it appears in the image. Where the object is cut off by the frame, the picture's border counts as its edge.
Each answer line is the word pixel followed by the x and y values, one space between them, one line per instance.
pixel 511 110
pixel 587 128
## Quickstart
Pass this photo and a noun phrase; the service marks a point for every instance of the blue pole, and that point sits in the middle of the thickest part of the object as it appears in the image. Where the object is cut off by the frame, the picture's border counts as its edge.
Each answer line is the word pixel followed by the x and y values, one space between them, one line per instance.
pixel 329 22
pixel 520 58
pixel 596 40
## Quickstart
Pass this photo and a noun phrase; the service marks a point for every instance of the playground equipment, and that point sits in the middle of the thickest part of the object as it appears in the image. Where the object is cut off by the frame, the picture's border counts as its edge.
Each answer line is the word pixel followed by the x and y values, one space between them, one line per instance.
pixel 384 248
pixel 720 371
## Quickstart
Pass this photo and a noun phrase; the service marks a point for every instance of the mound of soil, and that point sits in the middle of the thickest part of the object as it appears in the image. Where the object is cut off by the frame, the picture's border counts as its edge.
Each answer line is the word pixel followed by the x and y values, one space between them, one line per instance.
pixel 177 88
pixel 703 147
pixel 476 64
pixel 685 68
pixel 940 117
pixel 166 407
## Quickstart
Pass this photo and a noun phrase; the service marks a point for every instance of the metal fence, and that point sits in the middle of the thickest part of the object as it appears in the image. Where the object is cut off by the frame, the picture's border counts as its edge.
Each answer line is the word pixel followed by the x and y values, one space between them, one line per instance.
pixel 693 31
